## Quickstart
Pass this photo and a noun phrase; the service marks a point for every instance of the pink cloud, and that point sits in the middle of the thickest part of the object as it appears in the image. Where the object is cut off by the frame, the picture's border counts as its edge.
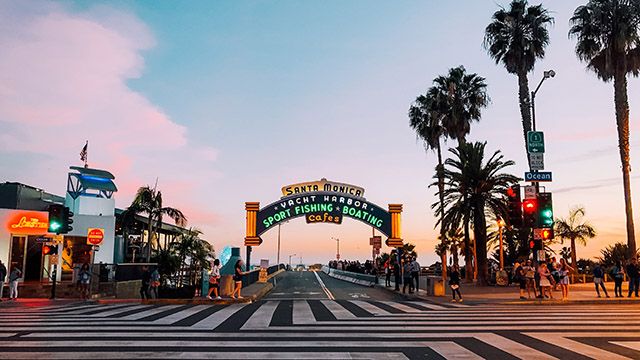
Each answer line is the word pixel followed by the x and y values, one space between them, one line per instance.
pixel 63 80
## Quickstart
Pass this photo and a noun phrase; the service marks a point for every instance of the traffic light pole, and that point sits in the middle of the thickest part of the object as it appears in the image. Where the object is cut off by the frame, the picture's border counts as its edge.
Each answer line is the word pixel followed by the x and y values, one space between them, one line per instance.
pixel 54 275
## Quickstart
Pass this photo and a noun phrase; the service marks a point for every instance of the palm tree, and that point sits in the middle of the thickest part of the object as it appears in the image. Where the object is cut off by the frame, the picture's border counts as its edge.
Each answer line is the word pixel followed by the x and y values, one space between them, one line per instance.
pixel 574 229
pixel 193 252
pixel 517 37
pixel 481 187
pixel 149 200
pixel 616 252
pixel 607 34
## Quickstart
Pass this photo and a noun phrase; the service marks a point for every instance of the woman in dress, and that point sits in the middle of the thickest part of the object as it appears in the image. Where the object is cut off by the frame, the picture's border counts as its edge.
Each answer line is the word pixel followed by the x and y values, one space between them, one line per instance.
pixel 530 275
pixel 545 283
pixel 237 279
pixel 454 282
pixel 563 275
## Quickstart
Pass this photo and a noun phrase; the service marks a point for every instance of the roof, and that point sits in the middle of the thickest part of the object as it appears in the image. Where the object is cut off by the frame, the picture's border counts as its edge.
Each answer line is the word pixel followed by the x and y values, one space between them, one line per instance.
pixel 93 172
pixel 97 183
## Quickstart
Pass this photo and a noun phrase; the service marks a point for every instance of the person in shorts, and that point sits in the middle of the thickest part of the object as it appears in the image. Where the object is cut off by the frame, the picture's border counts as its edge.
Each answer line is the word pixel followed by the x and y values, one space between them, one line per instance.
pixel 237 279
pixel 522 279
pixel 214 280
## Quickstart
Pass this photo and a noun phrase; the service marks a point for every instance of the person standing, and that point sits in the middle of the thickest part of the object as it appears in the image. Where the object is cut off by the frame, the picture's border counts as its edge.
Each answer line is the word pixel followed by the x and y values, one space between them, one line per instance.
pixel 237 279
pixel 387 273
pixel 155 282
pixel 529 273
pixel 14 277
pixel 598 279
pixel 563 274
pixel 618 276
pixel 521 278
pixel 396 273
pixel 3 275
pixel 146 282
pixel 634 277
pixel 214 280
pixel 84 280
pixel 406 277
pixel 415 273
pixel 454 282
pixel 545 282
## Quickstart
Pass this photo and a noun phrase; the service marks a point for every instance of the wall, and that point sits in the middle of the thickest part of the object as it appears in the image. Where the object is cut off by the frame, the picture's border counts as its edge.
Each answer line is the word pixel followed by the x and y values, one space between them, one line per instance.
pixel 7 215
pixel 81 223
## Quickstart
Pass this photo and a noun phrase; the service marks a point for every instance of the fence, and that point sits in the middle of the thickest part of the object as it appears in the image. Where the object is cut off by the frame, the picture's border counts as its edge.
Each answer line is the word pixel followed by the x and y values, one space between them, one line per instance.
pixel 356 278
pixel 252 276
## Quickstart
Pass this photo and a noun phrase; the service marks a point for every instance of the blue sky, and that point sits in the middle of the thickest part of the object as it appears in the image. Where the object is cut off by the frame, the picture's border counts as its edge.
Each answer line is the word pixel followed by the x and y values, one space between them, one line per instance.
pixel 279 92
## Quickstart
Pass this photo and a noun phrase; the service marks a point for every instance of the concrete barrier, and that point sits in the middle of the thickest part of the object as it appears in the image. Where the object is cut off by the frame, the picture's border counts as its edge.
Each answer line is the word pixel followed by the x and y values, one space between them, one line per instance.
pixel 356 278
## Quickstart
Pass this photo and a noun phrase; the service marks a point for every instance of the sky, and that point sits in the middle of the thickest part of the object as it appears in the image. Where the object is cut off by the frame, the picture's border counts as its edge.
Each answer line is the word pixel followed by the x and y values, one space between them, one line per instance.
pixel 226 102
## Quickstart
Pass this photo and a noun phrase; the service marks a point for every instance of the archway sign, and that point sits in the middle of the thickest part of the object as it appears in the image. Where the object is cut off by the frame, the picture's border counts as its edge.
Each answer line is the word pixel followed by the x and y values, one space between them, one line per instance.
pixel 322 202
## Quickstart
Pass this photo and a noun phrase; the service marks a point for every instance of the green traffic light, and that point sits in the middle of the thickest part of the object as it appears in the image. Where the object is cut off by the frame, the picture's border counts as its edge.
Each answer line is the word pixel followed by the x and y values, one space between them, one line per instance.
pixel 547 213
pixel 53 226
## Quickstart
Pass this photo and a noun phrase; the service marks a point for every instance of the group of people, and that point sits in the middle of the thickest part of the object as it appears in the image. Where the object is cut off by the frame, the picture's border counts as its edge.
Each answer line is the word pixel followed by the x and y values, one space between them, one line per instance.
pixel 353 266
pixel 543 278
pixel 14 277
pixel 406 272
pixel 214 280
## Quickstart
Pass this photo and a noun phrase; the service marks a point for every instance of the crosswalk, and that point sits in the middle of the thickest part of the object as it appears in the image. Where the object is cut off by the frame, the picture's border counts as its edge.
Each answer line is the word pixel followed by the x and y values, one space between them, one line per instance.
pixel 327 329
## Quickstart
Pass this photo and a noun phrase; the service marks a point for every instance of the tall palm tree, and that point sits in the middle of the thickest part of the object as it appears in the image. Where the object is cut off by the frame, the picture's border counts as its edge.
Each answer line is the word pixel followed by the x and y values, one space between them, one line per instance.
pixel 482 185
pixel 608 41
pixel 517 37
pixel 574 229
pixel 149 200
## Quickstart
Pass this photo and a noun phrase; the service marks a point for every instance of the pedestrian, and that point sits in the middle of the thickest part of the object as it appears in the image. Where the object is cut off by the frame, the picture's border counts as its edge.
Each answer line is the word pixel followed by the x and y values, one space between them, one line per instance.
pixel 545 281
pixel 214 280
pixel 237 279
pixel 554 268
pixel 145 283
pixel 406 277
pixel 415 273
pixel 14 277
pixel 563 274
pixel 521 278
pixel 84 280
pixel 634 278
pixel 155 282
pixel 396 273
pixel 598 279
pixel 387 273
pixel 617 273
pixel 3 275
pixel 529 274
pixel 454 283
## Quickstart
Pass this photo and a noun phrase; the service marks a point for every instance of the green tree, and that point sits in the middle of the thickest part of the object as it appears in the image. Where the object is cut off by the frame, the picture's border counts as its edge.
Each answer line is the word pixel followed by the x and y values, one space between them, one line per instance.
pixel 193 253
pixel 616 252
pixel 517 37
pixel 607 40
pixel 575 229
pixel 480 184
pixel 149 201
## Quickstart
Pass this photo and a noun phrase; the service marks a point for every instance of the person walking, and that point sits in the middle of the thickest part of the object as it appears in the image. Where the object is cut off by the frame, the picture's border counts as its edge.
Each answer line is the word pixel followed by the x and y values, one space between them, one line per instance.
pixel 84 280
pixel 415 273
pixel 406 276
pixel 617 273
pixel 3 275
pixel 387 273
pixel 14 277
pixel 521 278
pixel 454 283
pixel 214 280
pixel 563 274
pixel 598 279
pixel 237 279
pixel 396 274
pixel 155 282
pixel 529 273
pixel 146 282
pixel 634 277
pixel 545 281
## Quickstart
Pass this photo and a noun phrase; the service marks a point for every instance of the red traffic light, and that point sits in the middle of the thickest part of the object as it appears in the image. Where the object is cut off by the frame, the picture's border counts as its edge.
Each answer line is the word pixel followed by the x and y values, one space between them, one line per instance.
pixel 529 205
pixel 511 193
pixel 532 244
pixel 49 249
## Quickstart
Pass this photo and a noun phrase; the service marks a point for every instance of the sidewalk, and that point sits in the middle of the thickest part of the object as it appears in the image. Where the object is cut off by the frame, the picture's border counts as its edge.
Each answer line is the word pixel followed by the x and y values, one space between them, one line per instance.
pixel 578 294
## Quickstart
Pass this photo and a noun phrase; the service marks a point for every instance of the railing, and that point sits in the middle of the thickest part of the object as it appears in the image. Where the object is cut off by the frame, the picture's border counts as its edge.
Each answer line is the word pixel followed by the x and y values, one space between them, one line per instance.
pixel 253 275
pixel 358 278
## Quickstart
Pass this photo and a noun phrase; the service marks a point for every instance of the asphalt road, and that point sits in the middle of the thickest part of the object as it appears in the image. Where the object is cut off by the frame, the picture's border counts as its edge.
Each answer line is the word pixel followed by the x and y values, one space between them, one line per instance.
pixel 308 285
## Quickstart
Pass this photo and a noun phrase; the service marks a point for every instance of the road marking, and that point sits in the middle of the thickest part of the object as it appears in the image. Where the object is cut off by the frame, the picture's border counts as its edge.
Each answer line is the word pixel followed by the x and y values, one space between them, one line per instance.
pixel 451 350
pixel 144 314
pixel 210 355
pixel 633 345
pixel 118 311
pixel 561 340
pixel 401 307
pixel 302 314
pixel 261 318
pixel 324 288
pixel 218 317
pixel 512 347
pixel 369 307
pixel 338 310
pixel 170 319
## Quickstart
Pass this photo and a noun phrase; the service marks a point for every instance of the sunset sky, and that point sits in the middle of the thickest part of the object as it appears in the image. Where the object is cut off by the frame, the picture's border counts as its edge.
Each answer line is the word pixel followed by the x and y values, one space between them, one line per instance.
pixel 226 102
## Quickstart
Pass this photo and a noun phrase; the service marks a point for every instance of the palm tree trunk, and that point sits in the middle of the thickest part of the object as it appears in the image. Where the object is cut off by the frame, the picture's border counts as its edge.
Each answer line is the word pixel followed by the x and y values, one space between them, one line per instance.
pixel 622 121
pixel 480 235
pixel 468 252
pixel 440 172
pixel 525 109
pixel 149 237
pixel 574 259
pixel 454 255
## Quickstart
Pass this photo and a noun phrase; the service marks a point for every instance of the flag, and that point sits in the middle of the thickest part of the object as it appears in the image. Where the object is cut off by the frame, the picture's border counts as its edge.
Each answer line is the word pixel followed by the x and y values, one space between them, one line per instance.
pixel 83 153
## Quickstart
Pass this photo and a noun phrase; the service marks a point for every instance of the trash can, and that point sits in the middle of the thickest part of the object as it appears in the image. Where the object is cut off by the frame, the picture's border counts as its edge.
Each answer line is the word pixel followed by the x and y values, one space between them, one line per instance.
pixel 435 286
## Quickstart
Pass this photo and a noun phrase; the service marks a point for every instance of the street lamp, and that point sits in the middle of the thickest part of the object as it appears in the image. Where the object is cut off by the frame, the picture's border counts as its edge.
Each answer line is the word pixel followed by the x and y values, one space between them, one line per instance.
pixel 290 259
pixel 500 226
pixel 546 75
pixel 338 247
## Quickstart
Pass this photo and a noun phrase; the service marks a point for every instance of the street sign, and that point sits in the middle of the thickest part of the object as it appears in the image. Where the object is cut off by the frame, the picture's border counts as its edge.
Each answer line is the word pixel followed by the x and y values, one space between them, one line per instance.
pixel 537 161
pixel 53 259
pixel 375 241
pixel 537 234
pixel 43 239
pixel 535 142
pixel 538 176
pixel 529 192
pixel 541 256
pixel 95 236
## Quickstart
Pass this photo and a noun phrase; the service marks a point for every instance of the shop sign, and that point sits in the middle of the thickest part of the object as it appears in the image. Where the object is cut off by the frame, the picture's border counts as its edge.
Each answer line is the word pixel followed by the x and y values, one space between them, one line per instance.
pixel 54 259
pixel 95 236
pixel 28 222
pixel 324 217
pixel 322 186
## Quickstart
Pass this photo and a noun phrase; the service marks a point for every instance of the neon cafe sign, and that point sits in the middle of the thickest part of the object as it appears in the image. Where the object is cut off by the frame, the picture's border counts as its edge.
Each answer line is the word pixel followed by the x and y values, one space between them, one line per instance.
pixel 322 202
pixel 28 222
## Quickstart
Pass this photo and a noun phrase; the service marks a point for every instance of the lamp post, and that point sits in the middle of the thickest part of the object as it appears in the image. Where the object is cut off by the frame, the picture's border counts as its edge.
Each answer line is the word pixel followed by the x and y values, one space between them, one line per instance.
pixel 547 74
pixel 500 226
pixel 337 248
pixel 290 259
pixel 278 257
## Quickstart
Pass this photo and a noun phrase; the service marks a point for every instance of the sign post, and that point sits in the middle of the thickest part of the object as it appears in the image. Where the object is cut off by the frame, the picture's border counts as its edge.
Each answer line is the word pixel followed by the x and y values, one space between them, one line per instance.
pixel 535 142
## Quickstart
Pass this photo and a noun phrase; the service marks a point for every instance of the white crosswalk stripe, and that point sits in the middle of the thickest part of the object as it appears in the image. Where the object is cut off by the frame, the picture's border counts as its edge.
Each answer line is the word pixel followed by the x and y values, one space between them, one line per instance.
pixel 305 329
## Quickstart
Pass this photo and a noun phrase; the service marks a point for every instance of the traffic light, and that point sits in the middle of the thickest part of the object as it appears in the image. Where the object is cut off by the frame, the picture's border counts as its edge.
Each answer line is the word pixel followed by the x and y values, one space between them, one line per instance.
pixel 56 218
pixel 547 234
pixel 49 249
pixel 514 206
pixel 536 245
pixel 67 220
pixel 545 211
pixel 529 211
